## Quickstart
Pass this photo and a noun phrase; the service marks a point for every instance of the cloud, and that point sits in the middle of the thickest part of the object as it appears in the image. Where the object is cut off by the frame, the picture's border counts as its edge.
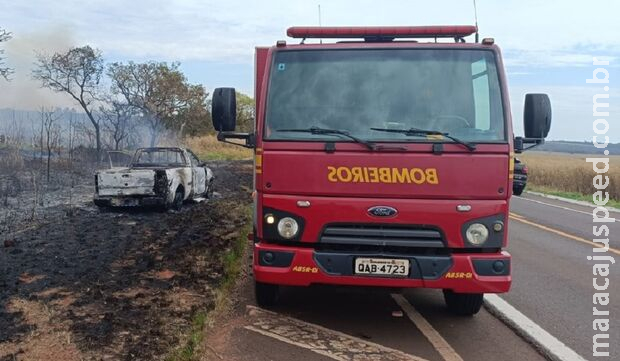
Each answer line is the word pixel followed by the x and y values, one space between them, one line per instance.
pixel 549 33
pixel 572 110
pixel 545 44
pixel 558 58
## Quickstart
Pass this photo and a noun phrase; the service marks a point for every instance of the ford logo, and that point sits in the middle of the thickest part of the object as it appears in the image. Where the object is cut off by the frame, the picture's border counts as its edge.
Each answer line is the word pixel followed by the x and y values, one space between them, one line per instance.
pixel 382 211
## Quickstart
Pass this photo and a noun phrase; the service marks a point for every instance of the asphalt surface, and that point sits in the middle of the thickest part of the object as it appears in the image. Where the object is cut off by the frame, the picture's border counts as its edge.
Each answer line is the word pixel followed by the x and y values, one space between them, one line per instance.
pixel 552 286
pixel 552 277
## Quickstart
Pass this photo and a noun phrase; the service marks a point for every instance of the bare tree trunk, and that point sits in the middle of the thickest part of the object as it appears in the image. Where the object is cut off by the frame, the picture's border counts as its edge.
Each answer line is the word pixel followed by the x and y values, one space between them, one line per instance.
pixel 49 156
pixel 98 139
pixel 35 187
pixel 153 136
pixel 41 140
pixel 71 131
pixel 181 129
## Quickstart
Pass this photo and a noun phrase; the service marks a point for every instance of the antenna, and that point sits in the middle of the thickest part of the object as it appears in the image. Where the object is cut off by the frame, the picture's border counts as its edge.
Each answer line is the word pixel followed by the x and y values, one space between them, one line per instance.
pixel 476 19
pixel 321 41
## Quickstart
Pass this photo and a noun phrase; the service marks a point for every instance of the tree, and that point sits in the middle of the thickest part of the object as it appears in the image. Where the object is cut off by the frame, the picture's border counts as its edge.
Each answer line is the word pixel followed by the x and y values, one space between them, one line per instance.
pixel 246 109
pixel 118 121
pixel 195 118
pixel 161 93
pixel 77 73
pixel 52 132
pixel 4 70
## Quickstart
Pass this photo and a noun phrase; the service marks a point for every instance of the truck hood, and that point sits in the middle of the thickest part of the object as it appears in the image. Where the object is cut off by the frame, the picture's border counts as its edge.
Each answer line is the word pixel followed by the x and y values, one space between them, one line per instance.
pixel 474 175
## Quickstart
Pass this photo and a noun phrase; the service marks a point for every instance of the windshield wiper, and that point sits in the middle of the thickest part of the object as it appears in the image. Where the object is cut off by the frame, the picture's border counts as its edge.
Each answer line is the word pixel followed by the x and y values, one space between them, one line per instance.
pixel 415 132
pixel 325 131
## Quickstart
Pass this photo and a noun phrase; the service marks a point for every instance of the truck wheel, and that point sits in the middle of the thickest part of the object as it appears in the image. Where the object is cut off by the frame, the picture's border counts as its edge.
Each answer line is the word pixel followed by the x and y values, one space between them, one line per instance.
pixel 177 203
pixel 517 191
pixel 266 294
pixel 463 304
pixel 209 192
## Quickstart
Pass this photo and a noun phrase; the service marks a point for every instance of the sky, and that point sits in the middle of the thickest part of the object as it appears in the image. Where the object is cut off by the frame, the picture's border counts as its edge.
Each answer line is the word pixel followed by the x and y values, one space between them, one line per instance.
pixel 547 46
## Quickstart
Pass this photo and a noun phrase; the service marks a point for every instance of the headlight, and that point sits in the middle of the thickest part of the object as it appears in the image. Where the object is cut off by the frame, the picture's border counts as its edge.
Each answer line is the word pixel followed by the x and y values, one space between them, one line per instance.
pixel 477 234
pixel 288 227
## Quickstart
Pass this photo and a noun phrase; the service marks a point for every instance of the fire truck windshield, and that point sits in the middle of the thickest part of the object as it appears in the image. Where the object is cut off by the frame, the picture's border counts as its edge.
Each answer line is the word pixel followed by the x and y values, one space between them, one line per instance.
pixel 453 91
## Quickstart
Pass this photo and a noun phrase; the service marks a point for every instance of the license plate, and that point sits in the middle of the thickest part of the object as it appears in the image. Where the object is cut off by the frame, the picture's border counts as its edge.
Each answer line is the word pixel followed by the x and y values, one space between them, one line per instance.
pixel 382 266
pixel 125 202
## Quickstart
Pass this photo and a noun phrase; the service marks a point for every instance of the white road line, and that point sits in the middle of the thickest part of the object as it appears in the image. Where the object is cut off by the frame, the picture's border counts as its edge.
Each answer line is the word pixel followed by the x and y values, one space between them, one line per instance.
pixel 521 219
pixel 329 343
pixel 528 329
pixel 556 206
pixel 439 343
pixel 571 201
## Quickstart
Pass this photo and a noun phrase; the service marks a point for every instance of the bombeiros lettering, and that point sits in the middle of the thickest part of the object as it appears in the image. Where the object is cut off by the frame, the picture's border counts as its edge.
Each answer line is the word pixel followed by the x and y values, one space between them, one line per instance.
pixel 387 175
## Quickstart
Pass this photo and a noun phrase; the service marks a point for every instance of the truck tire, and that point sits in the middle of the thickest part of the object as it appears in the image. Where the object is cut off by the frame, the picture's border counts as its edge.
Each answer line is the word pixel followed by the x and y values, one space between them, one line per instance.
pixel 209 191
pixel 266 294
pixel 463 304
pixel 177 202
pixel 518 191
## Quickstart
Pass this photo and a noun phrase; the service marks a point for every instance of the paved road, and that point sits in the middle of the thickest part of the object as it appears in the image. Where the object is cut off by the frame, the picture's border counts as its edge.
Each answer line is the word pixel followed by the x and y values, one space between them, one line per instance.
pixel 552 278
pixel 552 286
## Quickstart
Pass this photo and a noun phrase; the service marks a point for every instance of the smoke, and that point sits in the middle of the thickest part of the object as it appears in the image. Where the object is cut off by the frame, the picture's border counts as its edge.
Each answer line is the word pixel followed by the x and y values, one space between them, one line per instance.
pixel 22 92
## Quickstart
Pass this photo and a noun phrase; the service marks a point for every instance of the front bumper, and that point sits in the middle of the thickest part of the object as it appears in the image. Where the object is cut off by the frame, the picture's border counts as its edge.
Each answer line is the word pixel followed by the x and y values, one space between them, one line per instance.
pixel 460 272
pixel 130 201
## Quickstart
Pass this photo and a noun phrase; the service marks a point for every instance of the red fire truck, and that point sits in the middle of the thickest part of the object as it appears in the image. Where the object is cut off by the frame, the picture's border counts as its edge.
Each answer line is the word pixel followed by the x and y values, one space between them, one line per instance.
pixel 384 157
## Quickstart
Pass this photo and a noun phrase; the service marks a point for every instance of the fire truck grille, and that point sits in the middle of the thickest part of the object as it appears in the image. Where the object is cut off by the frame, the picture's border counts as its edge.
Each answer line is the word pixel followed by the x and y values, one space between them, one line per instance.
pixel 382 235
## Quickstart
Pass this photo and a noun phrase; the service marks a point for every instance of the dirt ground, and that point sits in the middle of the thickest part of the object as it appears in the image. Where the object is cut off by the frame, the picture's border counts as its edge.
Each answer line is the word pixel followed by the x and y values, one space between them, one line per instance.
pixel 116 285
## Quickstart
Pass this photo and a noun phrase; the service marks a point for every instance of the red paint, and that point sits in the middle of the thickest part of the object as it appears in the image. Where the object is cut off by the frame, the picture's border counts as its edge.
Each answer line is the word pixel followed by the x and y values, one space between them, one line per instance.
pixel 303 257
pixel 293 171
pixel 440 213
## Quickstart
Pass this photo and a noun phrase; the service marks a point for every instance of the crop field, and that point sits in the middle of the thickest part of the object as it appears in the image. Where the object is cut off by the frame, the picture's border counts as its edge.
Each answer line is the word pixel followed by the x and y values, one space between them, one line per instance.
pixel 569 174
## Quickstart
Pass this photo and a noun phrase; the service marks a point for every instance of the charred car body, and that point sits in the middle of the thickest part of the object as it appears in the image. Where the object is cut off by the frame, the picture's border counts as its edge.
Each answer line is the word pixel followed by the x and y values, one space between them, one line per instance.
pixel 155 177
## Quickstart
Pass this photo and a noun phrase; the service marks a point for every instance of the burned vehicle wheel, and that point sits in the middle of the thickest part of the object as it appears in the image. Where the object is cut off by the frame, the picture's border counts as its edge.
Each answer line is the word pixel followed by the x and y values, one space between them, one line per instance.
pixel 266 294
pixel 209 192
pixel 177 203
pixel 463 304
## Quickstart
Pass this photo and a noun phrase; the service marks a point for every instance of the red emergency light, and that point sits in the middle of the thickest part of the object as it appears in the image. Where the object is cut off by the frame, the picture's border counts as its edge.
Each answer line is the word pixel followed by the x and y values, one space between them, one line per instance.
pixel 393 32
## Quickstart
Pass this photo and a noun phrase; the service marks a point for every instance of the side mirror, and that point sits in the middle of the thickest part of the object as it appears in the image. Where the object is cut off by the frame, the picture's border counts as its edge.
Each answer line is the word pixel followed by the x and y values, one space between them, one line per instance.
pixel 224 115
pixel 537 116
pixel 224 109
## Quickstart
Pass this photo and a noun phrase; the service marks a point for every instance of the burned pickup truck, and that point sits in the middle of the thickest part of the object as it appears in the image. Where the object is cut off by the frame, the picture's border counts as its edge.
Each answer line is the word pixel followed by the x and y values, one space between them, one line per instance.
pixel 155 177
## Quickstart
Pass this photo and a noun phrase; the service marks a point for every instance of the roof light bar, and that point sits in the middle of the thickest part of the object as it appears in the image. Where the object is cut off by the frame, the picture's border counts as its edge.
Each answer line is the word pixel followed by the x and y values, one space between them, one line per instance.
pixel 450 31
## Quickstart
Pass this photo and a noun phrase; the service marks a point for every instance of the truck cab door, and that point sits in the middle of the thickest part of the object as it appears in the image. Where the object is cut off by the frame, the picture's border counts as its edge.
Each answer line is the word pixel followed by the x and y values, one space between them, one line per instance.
pixel 199 176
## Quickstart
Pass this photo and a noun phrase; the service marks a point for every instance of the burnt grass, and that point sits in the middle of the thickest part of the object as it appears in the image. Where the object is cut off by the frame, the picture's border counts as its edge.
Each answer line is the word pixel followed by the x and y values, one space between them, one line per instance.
pixel 115 284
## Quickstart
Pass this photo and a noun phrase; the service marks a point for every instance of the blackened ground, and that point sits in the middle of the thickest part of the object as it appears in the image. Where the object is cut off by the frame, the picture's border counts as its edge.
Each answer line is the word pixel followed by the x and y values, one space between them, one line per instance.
pixel 117 285
pixel 29 198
